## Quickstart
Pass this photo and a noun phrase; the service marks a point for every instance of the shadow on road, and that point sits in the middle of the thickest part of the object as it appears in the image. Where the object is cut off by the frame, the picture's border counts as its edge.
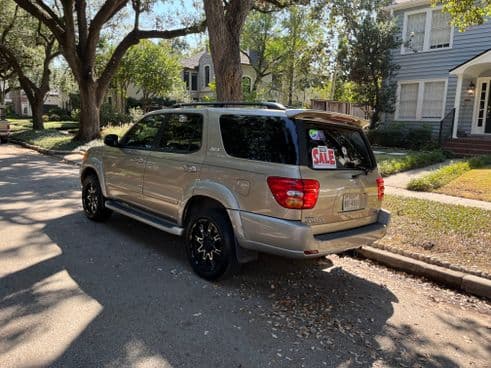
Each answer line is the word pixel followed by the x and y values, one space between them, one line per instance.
pixel 155 312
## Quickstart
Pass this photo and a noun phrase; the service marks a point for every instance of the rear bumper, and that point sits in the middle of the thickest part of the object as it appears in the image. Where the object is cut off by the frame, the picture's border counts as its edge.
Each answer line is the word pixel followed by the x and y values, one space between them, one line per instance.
pixel 294 238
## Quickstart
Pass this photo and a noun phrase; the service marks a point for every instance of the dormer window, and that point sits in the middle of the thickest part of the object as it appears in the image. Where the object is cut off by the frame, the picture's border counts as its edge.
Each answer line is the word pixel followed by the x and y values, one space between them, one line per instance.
pixel 426 30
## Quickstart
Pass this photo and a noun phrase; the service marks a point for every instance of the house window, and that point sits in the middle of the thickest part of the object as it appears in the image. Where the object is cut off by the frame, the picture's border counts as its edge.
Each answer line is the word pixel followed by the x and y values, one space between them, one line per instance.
pixel 421 100
pixel 441 30
pixel 186 80
pixel 207 75
pixel 434 92
pixel 408 101
pixel 426 30
pixel 194 81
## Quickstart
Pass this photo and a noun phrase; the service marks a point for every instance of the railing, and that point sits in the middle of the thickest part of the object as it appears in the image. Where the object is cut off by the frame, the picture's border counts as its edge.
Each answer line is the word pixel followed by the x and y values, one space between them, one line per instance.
pixel 446 127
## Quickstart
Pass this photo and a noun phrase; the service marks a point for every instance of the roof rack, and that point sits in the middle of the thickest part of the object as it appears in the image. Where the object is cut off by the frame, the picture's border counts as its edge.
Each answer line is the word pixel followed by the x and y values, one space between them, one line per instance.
pixel 268 105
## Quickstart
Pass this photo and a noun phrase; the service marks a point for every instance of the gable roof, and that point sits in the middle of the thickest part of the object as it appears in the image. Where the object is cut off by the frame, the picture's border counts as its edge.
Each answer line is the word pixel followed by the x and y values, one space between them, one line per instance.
pixel 473 60
pixel 192 62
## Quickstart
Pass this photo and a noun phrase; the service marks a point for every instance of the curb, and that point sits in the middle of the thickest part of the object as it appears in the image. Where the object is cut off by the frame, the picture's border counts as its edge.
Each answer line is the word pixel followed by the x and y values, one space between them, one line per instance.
pixel 455 279
pixel 49 152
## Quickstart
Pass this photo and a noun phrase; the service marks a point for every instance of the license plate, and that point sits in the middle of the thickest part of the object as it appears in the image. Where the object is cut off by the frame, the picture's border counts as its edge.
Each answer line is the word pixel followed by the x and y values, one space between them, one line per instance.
pixel 352 202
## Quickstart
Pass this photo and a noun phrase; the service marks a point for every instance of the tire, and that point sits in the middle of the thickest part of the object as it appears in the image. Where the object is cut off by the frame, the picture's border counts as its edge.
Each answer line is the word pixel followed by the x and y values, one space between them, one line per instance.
pixel 213 257
pixel 4 140
pixel 93 200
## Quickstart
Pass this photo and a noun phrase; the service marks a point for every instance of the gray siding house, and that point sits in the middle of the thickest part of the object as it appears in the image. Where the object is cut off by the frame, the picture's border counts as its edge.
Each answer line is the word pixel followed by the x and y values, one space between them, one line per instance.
pixel 443 74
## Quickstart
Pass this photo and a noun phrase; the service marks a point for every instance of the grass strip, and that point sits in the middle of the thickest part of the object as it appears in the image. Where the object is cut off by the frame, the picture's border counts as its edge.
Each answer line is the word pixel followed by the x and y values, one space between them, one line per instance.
pixel 413 160
pixel 446 174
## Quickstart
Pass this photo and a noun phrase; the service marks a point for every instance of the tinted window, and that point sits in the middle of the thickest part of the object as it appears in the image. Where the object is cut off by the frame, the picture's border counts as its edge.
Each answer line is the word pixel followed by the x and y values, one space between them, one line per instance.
pixel 334 147
pixel 181 133
pixel 142 134
pixel 260 138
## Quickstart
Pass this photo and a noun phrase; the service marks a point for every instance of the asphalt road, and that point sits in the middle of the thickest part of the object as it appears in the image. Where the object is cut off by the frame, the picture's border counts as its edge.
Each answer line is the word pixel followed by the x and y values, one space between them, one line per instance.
pixel 120 294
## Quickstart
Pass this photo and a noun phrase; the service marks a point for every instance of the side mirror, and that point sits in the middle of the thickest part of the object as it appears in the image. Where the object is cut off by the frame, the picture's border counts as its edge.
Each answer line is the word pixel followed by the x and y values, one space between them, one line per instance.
pixel 111 140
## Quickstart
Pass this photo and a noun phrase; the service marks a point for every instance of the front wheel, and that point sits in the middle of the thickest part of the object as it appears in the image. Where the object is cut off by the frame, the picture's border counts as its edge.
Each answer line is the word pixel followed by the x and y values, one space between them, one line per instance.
pixel 210 244
pixel 93 200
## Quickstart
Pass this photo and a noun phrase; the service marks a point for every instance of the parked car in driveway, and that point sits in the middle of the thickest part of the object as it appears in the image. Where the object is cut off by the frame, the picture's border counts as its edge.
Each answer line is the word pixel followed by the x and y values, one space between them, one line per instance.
pixel 4 126
pixel 235 179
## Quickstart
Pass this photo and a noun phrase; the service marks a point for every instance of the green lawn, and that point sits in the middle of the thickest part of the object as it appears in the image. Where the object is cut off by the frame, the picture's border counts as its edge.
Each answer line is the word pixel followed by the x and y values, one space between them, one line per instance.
pixel 391 161
pixel 447 174
pixel 474 184
pixel 57 135
pixel 456 234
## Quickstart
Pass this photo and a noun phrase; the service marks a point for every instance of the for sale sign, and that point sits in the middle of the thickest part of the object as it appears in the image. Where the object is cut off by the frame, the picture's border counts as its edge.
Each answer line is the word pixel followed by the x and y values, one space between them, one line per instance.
pixel 323 158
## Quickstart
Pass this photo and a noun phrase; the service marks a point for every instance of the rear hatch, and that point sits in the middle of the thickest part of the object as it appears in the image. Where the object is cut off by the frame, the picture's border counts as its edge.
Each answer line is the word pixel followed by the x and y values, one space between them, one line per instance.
pixel 339 157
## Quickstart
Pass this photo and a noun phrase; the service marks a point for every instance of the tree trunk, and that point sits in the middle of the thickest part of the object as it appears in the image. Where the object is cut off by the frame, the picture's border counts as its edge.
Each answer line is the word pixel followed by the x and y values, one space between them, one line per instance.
pixel 224 29
pixel 37 105
pixel 90 109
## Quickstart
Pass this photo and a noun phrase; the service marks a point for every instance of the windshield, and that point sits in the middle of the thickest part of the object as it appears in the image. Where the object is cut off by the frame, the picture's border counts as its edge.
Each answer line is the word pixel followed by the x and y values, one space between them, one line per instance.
pixel 332 147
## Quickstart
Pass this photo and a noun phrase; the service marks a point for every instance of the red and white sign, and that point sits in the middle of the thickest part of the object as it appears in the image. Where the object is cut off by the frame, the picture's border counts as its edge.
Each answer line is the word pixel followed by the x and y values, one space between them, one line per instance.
pixel 323 158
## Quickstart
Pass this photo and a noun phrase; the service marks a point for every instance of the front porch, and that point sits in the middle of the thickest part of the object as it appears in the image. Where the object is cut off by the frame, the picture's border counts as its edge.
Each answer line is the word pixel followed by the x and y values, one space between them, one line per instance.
pixel 467 128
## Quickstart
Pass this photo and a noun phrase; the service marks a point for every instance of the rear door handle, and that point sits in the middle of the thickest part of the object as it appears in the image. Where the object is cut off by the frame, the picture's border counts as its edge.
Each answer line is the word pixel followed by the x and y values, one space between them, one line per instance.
pixel 190 168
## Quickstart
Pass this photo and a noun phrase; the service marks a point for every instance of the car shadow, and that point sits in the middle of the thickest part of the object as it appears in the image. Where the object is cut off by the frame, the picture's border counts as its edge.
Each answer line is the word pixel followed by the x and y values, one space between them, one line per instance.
pixel 276 312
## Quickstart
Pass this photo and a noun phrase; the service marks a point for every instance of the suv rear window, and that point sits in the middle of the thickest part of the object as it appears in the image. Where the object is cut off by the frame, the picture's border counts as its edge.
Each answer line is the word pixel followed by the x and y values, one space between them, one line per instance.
pixel 334 147
pixel 260 138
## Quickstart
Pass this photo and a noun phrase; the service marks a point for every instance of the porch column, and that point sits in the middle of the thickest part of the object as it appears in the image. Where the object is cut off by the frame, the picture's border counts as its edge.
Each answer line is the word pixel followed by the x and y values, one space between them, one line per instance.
pixel 458 95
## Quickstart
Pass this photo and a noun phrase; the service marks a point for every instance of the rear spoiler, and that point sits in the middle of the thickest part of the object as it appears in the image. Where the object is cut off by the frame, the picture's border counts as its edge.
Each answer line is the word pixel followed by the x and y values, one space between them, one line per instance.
pixel 327 116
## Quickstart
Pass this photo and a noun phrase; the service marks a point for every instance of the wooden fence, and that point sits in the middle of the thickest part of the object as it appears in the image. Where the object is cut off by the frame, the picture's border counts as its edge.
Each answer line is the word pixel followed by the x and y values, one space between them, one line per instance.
pixel 358 110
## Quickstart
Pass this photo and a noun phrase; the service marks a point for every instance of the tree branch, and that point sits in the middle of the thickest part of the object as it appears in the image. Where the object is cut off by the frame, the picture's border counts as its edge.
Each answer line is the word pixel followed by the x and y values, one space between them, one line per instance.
pixel 40 11
pixel 133 38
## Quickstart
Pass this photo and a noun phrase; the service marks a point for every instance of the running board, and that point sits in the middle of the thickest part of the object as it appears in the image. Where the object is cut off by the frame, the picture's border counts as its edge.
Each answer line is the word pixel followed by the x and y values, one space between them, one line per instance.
pixel 144 217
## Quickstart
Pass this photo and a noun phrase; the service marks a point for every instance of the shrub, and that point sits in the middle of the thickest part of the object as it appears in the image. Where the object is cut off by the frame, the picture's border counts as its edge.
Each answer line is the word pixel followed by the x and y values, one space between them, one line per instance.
pixel 45 118
pixel 402 136
pixel 135 113
pixel 75 115
pixel 413 160
pixel 446 174
pixel 110 117
pixel 54 117
pixel 63 114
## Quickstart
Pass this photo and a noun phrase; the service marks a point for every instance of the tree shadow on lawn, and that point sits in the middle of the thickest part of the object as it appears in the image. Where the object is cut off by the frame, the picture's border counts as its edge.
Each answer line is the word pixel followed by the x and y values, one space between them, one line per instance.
pixel 155 308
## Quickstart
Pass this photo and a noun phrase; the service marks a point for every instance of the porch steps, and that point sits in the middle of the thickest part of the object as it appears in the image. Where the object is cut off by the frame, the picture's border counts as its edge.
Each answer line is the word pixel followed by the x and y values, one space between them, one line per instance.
pixel 469 146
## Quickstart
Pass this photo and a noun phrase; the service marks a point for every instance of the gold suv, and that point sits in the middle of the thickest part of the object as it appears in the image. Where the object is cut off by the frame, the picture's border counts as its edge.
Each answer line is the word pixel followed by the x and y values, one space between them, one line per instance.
pixel 238 178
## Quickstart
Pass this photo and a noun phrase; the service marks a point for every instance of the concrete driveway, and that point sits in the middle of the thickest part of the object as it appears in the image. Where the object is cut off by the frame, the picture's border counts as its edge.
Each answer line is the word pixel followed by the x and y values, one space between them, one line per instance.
pixel 120 294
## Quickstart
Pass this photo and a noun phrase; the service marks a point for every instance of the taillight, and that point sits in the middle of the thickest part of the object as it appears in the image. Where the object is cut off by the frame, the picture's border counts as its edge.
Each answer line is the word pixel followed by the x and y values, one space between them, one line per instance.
pixel 380 188
pixel 294 193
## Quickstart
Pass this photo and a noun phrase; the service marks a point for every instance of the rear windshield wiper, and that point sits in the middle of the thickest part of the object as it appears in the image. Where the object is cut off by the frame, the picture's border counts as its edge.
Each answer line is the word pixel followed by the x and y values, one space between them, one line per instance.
pixel 365 170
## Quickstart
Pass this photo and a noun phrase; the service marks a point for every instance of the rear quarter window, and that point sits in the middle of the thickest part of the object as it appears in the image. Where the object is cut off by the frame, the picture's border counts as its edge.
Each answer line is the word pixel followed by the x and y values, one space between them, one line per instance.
pixel 331 147
pixel 260 138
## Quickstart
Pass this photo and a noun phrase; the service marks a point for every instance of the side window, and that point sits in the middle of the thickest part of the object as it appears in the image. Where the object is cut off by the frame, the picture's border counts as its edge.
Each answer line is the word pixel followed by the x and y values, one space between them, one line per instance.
pixel 260 138
pixel 182 133
pixel 142 134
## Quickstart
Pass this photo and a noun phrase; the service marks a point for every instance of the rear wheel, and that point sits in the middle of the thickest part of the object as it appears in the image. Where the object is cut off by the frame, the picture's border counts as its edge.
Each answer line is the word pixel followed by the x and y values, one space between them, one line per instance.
pixel 93 199
pixel 4 140
pixel 210 244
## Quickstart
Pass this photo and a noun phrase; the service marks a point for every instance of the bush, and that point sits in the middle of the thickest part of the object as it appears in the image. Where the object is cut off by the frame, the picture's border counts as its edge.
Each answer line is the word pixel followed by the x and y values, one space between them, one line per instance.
pixel 75 115
pixel 54 117
pixel 446 174
pixel 110 117
pixel 413 160
pixel 136 114
pixel 402 136
pixel 45 118
pixel 63 114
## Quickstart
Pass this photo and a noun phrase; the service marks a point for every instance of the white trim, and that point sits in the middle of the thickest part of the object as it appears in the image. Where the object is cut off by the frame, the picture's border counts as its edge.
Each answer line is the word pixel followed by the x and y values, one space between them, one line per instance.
pixel 427 36
pixel 484 58
pixel 407 5
pixel 477 97
pixel 419 102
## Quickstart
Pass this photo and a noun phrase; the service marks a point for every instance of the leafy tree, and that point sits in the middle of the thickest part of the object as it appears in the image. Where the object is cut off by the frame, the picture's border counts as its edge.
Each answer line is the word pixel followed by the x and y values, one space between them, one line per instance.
pixel 261 36
pixel 365 54
pixel 28 48
pixel 156 70
pixel 466 13
pixel 78 27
